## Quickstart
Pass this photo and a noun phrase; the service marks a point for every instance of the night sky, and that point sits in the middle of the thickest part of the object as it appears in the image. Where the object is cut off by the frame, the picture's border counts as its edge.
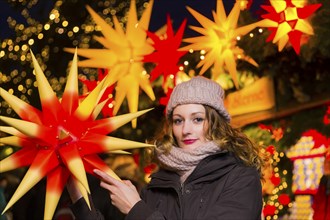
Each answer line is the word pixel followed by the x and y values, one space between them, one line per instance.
pixel 175 8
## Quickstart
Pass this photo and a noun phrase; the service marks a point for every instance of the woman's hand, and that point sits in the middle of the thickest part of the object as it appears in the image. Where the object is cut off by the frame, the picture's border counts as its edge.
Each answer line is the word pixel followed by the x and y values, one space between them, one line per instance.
pixel 123 194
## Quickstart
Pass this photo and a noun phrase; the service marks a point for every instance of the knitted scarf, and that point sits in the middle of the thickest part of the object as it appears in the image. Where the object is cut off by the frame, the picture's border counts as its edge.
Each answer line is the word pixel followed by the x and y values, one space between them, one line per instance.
pixel 184 161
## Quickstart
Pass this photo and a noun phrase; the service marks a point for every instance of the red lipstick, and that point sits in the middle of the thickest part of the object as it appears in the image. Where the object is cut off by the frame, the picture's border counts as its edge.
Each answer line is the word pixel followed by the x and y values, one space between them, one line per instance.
pixel 189 141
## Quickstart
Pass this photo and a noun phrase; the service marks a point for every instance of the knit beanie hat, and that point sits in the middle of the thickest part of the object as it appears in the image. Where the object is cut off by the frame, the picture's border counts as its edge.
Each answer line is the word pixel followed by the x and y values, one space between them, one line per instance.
pixel 198 90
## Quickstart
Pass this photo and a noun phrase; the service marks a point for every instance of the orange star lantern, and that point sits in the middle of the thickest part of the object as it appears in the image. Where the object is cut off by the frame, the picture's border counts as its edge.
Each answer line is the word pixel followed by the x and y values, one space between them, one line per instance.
pixel 287 22
pixel 62 140
pixel 122 55
pixel 219 40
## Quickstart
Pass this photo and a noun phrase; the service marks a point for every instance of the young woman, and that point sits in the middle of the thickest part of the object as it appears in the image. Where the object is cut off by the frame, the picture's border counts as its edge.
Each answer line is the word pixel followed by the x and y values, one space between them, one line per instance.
pixel 208 169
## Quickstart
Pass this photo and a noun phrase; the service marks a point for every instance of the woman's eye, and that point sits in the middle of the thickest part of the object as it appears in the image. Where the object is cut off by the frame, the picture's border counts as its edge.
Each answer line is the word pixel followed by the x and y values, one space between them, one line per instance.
pixel 177 121
pixel 199 120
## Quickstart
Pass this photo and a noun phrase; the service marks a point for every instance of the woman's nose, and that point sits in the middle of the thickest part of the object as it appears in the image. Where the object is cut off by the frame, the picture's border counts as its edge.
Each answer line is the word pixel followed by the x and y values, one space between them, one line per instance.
pixel 186 128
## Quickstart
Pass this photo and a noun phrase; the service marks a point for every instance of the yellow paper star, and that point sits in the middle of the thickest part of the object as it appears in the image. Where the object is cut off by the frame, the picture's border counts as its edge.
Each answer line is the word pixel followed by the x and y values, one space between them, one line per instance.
pixel 219 40
pixel 62 140
pixel 122 55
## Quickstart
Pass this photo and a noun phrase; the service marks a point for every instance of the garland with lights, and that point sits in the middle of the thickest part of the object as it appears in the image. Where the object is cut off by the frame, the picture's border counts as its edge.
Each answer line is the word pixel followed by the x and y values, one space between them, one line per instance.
pixel 276 186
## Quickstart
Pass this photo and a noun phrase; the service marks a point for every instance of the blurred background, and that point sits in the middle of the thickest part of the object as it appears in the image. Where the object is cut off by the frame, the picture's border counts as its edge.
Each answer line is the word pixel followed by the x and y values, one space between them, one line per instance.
pixel 295 129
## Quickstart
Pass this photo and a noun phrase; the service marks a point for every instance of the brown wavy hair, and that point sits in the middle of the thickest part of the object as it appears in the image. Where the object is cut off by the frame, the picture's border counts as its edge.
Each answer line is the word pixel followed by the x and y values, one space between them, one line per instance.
pixel 223 134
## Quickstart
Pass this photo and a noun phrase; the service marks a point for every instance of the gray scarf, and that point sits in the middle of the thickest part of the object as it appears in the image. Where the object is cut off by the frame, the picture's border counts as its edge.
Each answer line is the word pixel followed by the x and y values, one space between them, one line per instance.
pixel 184 161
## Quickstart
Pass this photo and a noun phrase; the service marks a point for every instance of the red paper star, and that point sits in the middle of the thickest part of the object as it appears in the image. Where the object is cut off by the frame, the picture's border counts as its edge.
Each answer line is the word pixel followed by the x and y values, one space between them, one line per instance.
pixel 107 97
pixel 62 140
pixel 291 17
pixel 164 100
pixel 166 54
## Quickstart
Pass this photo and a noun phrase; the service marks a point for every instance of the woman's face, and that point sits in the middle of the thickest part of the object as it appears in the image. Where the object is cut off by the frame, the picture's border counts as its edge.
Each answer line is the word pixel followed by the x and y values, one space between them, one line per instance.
pixel 189 125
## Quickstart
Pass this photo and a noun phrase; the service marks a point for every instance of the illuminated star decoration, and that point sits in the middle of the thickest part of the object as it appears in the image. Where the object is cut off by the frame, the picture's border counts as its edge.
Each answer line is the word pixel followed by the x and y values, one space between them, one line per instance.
pixel 245 4
pixel 166 54
pixel 122 55
pixel 62 140
pixel 219 40
pixel 288 22
pixel 107 95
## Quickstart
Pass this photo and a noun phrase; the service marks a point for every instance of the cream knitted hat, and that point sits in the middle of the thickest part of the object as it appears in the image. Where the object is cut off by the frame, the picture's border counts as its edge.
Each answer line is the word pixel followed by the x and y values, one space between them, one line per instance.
pixel 198 90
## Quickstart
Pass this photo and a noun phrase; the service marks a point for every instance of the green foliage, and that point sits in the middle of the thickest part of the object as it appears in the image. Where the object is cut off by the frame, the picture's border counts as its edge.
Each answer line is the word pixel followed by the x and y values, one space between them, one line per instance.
pixel 319 44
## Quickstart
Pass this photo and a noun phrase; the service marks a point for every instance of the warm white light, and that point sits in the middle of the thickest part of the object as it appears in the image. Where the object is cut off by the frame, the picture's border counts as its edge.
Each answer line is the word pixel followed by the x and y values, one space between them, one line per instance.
pixel 31 42
pixel 52 16
pixel 60 31
pixel 75 29
pixel 46 26
pixel 65 23
pixel 40 36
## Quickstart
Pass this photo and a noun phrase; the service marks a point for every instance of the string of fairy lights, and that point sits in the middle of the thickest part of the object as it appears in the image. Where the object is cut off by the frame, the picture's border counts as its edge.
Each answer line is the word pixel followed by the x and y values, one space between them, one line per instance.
pixel 280 188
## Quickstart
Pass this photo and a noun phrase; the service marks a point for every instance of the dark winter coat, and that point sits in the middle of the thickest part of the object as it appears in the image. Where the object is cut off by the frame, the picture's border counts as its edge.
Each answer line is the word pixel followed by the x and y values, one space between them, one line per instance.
pixel 220 187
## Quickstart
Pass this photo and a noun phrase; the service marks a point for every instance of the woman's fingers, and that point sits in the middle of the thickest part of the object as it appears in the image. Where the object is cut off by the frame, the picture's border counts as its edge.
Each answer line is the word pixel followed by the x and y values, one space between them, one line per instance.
pixel 123 193
pixel 105 177
pixel 130 184
pixel 106 186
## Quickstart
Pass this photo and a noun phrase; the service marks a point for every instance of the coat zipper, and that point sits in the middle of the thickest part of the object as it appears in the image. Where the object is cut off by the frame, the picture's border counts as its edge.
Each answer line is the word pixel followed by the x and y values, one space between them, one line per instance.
pixel 181 200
